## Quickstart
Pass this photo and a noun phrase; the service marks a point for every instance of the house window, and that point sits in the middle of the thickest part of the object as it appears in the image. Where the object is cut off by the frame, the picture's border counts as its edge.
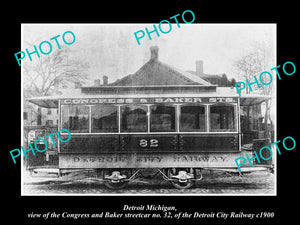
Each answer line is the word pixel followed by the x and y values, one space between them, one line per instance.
pixel 25 115
pixel 162 118
pixel 49 122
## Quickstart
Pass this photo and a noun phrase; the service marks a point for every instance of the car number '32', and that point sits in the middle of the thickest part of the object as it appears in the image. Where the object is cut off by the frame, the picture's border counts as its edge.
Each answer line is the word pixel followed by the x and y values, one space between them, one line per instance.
pixel 152 143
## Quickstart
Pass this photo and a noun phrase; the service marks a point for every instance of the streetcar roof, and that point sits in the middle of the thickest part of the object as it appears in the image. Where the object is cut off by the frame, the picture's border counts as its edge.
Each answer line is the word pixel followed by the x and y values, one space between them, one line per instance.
pixel 52 101
pixel 253 99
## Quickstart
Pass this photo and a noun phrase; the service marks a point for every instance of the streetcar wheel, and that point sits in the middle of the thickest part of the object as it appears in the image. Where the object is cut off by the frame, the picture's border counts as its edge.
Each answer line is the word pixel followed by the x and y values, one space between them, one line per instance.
pixel 115 179
pixel 181 178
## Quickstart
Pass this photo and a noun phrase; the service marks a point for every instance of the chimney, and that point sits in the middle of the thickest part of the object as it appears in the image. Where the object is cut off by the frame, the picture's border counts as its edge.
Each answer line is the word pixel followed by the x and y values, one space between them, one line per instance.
pixel 105 80
pixel 199 68
pixel 97 83
pixel 154 52
pixel 77 84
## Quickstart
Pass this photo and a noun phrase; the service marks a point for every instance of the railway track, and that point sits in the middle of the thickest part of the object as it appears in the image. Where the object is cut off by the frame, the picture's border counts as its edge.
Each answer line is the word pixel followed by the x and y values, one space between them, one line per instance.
pixel 216 183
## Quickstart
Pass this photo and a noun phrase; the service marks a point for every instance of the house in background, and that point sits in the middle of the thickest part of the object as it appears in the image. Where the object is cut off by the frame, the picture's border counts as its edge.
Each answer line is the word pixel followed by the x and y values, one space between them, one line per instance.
pixel 155 72
pixel 35 116
pixel 220 80
pixel 38 122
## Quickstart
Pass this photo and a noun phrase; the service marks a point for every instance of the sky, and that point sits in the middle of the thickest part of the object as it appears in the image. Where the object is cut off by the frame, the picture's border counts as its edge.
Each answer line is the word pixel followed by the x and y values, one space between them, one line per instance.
pixel 112 50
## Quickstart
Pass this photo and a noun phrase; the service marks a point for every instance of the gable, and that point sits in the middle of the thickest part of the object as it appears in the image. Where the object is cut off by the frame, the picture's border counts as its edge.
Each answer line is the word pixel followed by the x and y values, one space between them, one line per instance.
pixel 155 72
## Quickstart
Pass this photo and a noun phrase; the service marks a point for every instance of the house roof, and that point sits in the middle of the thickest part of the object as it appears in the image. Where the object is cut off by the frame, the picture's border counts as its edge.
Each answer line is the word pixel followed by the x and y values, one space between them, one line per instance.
pixel 155 72
pixel 206 75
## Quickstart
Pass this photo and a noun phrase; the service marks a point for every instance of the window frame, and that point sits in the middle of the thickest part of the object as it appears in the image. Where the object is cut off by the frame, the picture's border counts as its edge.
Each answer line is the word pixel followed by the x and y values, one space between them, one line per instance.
pixel 148 113
pixel 205 118
pixel 176 125
pixel 236 121
pixel 120 119
pixel 91 118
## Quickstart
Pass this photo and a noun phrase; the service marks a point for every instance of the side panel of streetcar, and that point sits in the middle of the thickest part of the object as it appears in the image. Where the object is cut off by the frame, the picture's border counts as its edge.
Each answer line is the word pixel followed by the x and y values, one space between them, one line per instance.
pixel 163 132
pixel 159 160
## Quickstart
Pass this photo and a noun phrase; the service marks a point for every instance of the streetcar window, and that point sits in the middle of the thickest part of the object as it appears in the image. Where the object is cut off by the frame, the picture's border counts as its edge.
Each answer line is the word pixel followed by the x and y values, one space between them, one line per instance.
pixel 134 119
pixel 222 118
pixel 104 118
pixel 162 118
pixel 75 118
pixel 192 118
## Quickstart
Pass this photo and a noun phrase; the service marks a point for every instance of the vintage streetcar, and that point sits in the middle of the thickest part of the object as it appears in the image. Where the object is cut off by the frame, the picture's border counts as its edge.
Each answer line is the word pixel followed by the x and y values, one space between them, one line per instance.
pixel 159 118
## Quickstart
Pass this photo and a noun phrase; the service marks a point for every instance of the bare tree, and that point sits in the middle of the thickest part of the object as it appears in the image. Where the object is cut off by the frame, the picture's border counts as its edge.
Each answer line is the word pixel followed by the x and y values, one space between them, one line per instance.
pixel 259 59
pixel 248 66
pixel 44 75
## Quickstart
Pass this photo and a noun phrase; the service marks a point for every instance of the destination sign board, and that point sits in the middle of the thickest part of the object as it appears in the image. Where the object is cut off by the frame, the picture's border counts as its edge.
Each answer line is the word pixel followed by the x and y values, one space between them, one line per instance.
pixel 159 100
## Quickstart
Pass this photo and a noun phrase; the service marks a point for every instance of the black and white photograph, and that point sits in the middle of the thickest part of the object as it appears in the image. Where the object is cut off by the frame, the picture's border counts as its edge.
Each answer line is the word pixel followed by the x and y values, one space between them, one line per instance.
pixel 108 112
pixel 149 113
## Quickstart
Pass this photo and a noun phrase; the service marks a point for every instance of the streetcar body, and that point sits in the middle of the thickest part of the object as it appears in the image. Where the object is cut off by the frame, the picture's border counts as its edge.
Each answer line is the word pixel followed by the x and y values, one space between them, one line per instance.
pixel 187 131
pixel 152 134
pixel 158 118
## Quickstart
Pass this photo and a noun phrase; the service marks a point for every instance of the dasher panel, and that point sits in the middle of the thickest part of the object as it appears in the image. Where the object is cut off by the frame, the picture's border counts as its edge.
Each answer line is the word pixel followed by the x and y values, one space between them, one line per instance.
pixel 208 143
pixel 91 144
